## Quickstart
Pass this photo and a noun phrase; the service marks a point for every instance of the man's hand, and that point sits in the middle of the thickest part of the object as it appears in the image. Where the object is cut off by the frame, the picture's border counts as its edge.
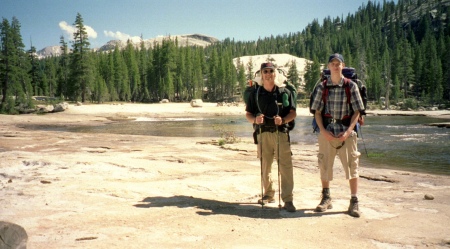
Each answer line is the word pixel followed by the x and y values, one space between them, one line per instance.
pixel 343 136
pixel 278 120
pixel 328 135
pixel 259 119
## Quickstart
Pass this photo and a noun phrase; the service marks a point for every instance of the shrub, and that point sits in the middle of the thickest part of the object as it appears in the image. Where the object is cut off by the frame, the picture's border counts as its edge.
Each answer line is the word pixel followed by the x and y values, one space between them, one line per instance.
pixel 410 104
pixel 227 137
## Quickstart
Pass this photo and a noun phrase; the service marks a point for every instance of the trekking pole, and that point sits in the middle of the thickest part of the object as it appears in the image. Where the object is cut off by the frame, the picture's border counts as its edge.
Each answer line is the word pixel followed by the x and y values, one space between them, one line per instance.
pixel 261 164
pixel 278 162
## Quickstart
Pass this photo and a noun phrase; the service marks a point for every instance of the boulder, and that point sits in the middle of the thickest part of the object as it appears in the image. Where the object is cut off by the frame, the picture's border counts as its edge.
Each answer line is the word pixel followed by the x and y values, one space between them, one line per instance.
pixel 196 103
pixel 44 108
pixel 12 236
pixel 60 107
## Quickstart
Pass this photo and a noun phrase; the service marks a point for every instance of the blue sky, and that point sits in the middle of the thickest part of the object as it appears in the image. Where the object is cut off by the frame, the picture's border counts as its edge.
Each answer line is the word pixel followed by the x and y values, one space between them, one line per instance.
pixel 44 21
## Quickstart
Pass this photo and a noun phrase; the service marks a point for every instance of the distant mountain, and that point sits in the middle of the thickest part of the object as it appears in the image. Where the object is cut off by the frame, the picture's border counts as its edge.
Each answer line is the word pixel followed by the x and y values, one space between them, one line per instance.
pixel 183 40
pixel 49 51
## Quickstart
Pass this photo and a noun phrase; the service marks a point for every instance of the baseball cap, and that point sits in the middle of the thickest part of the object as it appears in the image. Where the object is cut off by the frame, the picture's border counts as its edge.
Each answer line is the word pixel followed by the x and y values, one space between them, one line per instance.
pixel 267 65
pixel 336 56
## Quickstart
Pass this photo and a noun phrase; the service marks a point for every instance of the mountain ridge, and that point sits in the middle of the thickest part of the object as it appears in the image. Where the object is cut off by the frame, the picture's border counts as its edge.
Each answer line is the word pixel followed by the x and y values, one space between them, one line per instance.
pixel 183 40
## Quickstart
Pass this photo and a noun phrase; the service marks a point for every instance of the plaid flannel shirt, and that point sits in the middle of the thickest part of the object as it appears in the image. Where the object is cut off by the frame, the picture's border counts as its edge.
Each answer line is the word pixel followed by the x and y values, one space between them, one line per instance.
pixel 337 103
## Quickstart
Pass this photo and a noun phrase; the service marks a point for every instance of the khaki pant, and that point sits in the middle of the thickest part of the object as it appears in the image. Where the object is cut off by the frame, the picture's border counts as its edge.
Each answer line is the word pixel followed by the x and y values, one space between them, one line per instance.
pixel 268 140
pixel 348 154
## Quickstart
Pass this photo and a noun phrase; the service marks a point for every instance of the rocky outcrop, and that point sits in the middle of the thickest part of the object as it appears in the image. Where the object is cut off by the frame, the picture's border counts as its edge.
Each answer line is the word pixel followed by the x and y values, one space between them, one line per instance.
pixel 60 107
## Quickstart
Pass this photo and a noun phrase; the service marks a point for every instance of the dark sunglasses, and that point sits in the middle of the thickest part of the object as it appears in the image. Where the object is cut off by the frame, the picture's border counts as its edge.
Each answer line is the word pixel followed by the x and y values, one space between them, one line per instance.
pixel 340 146
pixel 267 71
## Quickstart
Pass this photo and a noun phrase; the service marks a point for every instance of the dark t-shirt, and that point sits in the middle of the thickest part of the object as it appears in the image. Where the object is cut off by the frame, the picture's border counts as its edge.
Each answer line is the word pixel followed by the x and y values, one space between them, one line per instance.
pixel 271 103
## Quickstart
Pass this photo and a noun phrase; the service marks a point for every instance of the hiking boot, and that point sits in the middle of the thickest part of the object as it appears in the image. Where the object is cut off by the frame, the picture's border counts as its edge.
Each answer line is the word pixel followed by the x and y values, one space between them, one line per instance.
pixel 324 204
pixel 266 199
pixel 289 206
pixel 353 209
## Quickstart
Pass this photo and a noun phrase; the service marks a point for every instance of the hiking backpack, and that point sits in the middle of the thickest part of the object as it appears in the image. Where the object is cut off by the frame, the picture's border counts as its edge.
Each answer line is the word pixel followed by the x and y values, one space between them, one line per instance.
pixel 252 88
pixel 349 75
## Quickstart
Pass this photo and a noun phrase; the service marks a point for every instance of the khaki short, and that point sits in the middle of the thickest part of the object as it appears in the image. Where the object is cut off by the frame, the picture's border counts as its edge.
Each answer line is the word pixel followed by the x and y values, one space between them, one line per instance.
pixel 348 155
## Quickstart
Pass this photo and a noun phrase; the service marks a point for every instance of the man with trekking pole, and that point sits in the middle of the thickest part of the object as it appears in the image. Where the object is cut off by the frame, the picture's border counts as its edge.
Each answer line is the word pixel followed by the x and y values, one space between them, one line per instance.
pixel 270 108
pixel 336 117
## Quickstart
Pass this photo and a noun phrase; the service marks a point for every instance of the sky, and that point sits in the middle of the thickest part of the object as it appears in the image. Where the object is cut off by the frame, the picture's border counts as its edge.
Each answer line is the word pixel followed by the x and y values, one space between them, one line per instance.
pixel 43 22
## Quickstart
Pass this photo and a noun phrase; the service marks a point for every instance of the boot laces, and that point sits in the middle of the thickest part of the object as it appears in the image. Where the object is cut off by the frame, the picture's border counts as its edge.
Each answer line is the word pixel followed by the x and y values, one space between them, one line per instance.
pixel 325 199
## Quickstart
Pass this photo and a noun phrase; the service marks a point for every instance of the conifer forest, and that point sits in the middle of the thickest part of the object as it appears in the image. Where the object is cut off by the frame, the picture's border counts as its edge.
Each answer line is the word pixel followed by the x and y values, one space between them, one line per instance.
pixel 400 50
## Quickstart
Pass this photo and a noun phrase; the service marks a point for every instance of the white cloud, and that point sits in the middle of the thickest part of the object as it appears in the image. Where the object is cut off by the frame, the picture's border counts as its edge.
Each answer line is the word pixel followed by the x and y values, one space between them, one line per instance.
pixel 69 29
pixel 121 36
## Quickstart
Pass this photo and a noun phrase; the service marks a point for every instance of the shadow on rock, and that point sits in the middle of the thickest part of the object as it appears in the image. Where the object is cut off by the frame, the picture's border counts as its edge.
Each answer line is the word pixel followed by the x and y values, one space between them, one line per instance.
pixel 213 207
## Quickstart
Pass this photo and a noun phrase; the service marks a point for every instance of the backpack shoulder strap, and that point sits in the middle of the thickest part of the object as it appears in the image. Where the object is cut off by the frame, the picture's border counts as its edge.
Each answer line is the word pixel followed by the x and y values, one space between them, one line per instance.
pixel 325 92
pixel 347 89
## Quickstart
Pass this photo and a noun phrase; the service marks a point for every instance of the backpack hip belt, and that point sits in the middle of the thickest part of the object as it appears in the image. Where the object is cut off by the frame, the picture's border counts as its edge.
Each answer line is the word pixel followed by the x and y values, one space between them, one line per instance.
pixel 330 120
pixel 273 129
pixel 334 121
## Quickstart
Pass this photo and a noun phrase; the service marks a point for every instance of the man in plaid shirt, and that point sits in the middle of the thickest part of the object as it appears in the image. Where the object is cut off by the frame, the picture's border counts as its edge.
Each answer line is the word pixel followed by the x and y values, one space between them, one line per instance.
pixel 336 122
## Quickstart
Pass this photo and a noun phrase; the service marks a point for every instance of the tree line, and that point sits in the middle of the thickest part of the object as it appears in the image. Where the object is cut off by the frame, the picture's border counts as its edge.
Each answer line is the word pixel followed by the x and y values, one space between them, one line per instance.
pixel 398 55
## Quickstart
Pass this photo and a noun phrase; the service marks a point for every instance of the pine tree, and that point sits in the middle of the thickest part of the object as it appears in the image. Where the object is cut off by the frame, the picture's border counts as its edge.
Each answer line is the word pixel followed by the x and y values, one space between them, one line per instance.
pixel 100 90
pixel 293 76
pixel 250 69
pixel 432 70
pixel 386 73
pixel 34 72
pixel 50 76
pixel 120 72
pixel 446 69
pixel 405 68
pixel 312 75
pixel 15 83
pixel 198 75
pixel 168 85
pixel 63 69
pixel 152 84
pixel 241 77
pixel 213 77
pixel 80 65
pixel 143 67
pixel 187 75
pixel 109 74
pixel 231 74
pixel 396 92
pixel 133 71
pixel 6 63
